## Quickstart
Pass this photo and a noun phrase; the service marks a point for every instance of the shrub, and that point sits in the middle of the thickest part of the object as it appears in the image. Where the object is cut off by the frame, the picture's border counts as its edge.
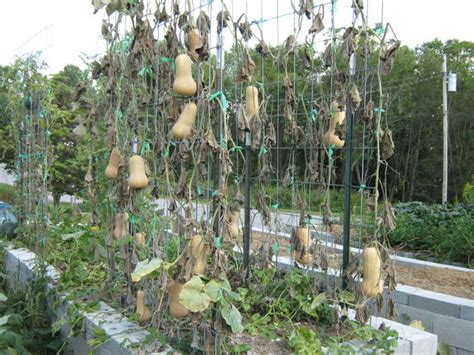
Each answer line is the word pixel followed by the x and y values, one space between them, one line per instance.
pixel 442 231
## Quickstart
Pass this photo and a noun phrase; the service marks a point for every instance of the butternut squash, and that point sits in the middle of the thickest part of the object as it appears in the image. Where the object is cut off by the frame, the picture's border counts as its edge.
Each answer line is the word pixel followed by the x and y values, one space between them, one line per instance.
pixel 120 225
pixel 233 224
pixel 115 161
pixel 142 308
pixel 140 238
pixel 183 128
pixel 197 249
pixel 137 178
pixel 303 244
pixel 251 103
pixel 337 118
pixel 177 310
pixel 371 283
pixel 184 83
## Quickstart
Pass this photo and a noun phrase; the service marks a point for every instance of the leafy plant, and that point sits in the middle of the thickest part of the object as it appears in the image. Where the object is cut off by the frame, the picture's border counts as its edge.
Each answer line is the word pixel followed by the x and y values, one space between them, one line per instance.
pixel 304 341
pixel 442 231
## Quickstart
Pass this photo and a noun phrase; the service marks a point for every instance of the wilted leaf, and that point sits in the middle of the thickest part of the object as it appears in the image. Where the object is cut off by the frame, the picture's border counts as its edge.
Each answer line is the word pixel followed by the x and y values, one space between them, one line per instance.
pixel 214 290
pixel 233 318
pixel 74 236
pixel 193 297
pixel 417 324
pixel 145 268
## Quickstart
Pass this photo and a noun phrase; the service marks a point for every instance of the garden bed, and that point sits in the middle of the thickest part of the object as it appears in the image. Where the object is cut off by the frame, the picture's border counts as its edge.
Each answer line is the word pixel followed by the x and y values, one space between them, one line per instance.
pixel 440 279
pixel 109 331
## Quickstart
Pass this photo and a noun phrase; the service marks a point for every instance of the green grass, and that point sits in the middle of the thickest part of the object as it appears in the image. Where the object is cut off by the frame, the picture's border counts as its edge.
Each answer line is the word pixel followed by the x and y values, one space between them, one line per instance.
pixel 7 193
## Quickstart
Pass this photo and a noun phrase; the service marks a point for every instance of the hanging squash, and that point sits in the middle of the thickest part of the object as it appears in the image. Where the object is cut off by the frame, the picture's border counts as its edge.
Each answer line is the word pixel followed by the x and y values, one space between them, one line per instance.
pixel 338 117
pixel 142 309
pixel 140 238
pixel 183 128
pixel 197 249
pixel 115 161
pixel 251 103
pixel 120 225
pixel 371 283
pixel 177 310
pixel 184 83
pixel 303 244
pixel 233 224
pixel 137 178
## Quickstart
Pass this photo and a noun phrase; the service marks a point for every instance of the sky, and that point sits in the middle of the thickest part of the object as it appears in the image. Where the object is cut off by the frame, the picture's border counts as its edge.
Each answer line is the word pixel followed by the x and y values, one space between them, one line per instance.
pixel 65 30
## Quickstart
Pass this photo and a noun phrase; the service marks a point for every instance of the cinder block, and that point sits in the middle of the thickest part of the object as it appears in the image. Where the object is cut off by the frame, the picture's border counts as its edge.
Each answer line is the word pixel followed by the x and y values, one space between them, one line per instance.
pixel 453 331
pixel 423 343
pixel 440 305
pixel 426 317
pixel 398 297
pixel 463 352
pixel 403 347
pixel 466 312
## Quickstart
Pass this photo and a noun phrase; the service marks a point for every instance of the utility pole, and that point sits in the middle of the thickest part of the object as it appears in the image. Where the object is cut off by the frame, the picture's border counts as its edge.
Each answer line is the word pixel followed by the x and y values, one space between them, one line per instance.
pixel 444 198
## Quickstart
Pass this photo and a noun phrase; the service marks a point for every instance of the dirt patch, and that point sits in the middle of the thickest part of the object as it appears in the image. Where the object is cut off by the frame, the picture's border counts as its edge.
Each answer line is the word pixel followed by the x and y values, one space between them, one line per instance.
pixel 259 344
pixel 443 280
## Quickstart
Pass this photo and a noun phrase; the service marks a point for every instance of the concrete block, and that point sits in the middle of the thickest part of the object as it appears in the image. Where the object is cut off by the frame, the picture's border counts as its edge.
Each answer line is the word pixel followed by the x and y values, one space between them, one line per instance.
pixel 423 344
pixel 411 313
pixel 403 347
pixel 466 312
pixel 398 297
pixel 440 305
pixel 455 332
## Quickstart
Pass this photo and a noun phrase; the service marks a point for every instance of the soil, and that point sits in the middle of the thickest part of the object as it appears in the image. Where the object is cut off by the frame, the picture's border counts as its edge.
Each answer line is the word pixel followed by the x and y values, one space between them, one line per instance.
pixel 443 280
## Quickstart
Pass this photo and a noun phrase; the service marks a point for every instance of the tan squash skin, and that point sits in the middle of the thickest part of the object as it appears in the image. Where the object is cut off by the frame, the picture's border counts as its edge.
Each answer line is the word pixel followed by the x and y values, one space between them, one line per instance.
pixel 142 308
pixel 233 225
pixel 251 103
pixel 183 128
pixel 338 118
pixel 197 249
pixel 115 160
pixel 371 283
pixel 140 238
pixel 177 310
pixel 120 225
pixel 137 178
pixel 304 243
pixel 184 83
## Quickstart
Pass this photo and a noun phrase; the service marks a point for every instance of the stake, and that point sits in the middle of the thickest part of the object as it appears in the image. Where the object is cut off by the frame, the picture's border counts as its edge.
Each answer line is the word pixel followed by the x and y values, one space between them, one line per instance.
pixel 248 153
pixel 444 198
pixel 219 131
pixel 347 187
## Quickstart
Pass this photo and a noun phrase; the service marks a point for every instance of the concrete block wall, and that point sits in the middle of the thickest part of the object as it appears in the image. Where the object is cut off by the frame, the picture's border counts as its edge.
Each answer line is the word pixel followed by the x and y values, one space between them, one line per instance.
pixel 449 317
pixel 122 336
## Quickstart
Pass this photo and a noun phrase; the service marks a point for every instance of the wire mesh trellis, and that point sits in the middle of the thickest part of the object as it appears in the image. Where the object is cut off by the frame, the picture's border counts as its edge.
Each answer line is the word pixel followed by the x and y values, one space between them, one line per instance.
pixel 267 128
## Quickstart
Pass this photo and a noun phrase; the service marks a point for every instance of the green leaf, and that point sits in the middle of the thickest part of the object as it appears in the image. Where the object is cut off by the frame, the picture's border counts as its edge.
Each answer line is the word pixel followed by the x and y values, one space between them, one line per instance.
pixel 4 319
pixel 3 298
pixel 214 290
pixel 74 236
pixel 233 318
pixel 346 297
pixel 146 267
pixel 318 300
pixel 193 297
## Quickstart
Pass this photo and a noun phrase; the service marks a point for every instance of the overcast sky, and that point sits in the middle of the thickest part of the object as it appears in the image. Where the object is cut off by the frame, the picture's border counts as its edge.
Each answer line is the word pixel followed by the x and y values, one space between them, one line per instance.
pixel 63 29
